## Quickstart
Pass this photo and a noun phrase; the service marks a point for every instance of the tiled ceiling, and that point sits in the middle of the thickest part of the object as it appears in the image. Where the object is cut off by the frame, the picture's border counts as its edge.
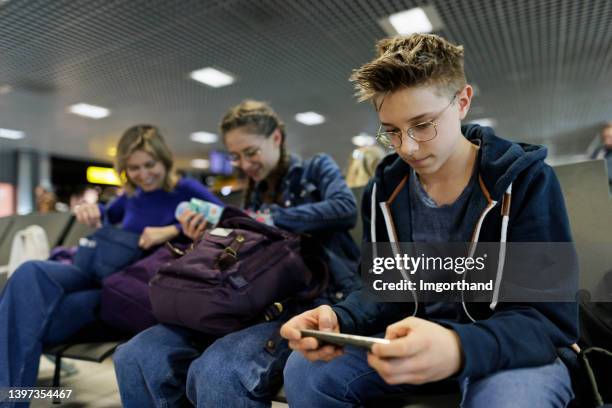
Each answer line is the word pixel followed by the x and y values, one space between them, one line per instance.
pixel 543 69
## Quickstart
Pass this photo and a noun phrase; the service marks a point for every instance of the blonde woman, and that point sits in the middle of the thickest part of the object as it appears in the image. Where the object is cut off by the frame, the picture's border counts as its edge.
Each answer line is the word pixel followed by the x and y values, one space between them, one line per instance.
pixel 47 302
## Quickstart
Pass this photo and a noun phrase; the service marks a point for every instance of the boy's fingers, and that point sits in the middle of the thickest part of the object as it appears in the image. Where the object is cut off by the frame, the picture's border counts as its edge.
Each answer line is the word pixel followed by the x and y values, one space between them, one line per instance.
pixel 396 331
pixel 290 332
pixel 325 353
pixel 308 343
pixel 325 317
pixel 402 347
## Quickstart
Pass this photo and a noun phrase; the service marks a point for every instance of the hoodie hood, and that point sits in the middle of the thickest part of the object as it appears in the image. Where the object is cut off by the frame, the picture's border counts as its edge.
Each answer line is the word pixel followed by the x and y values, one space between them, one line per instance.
pixel 501 161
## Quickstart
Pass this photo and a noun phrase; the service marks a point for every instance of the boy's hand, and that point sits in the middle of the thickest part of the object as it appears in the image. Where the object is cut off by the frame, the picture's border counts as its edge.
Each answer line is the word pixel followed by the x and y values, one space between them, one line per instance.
pixel 322 318
pixel 421 352
pixel 193 224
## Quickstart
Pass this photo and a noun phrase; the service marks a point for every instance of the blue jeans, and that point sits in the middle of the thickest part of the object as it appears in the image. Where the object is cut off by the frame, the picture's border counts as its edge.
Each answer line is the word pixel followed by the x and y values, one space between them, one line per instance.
pixel 164 366
pixel 42 302
pixel 349 381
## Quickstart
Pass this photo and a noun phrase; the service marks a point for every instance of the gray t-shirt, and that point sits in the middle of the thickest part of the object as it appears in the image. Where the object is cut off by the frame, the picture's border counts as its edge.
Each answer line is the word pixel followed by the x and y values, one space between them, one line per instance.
pixel 433 223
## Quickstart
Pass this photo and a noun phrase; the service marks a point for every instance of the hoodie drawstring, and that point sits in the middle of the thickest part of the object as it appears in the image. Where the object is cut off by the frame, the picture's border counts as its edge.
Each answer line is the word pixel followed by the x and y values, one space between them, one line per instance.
pixel 505 211
pixel 392 238
pixel 502 245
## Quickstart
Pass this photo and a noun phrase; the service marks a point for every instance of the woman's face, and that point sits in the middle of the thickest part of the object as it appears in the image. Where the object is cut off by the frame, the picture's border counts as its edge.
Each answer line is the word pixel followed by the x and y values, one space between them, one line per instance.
pixel 257 155
pixel 145 171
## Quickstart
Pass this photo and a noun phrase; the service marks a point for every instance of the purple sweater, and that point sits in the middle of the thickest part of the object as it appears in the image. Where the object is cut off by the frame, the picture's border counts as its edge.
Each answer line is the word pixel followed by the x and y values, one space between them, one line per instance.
pixel 155 208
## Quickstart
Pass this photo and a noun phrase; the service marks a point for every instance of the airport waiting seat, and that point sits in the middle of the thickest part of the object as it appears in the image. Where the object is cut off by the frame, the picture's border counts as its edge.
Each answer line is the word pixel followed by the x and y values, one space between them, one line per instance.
pixel 54 224
pixel 95 342
pixel 589 207
pixel 75 232
pixel 5 226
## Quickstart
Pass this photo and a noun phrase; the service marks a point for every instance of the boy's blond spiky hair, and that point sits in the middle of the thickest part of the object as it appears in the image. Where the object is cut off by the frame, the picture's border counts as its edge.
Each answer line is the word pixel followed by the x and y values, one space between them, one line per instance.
pixel 409 61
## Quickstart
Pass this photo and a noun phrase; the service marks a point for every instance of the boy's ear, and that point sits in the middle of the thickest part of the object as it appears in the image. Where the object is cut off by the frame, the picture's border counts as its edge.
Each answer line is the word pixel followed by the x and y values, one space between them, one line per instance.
pixel 464 99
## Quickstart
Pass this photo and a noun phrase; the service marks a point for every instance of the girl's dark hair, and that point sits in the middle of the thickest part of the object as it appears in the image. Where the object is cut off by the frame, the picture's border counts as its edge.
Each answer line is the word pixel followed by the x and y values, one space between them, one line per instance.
pixel 258 117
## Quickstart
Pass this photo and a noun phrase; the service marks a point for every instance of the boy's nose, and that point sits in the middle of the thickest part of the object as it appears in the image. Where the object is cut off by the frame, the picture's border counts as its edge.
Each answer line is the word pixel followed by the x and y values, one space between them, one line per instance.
pixel 409 146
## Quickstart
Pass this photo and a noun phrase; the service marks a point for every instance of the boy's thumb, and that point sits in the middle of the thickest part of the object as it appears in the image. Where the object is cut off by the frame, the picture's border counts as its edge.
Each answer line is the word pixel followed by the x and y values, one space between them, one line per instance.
pixel 325 323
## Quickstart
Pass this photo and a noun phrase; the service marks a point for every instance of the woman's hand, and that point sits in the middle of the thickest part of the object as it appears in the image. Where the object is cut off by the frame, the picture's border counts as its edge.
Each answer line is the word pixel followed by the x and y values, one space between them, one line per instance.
pixel 88 214
pixel 193 224
pixel 152 236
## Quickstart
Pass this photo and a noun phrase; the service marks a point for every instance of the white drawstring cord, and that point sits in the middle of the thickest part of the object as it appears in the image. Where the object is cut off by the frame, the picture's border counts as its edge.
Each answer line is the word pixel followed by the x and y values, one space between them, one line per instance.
pixel 502 247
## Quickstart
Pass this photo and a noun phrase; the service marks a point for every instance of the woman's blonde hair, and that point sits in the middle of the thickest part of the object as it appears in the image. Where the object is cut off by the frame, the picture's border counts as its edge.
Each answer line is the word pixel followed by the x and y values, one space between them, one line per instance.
pixel 146 138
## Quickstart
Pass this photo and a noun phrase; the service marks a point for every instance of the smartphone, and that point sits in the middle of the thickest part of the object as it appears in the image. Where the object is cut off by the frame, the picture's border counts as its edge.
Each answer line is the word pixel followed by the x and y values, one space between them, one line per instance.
pixel 340 339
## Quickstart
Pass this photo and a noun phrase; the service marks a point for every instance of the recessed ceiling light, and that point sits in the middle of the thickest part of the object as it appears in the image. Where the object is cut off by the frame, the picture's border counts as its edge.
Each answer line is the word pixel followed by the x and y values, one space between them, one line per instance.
pixel 310 118
pixel 212 77
pixel 204 137
pixel 200 163
pixel 90 111
pixel 11 134
pixel 363 139
pixel 415 20
pixel 490 122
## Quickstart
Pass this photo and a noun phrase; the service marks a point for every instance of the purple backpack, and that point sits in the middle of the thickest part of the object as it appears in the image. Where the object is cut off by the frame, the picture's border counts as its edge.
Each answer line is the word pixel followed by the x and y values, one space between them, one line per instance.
pixel 125 300
pixel 238 270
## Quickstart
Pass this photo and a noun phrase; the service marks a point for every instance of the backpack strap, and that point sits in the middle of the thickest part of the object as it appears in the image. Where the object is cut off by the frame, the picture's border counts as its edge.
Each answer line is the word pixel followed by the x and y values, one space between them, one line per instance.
pixel 599 353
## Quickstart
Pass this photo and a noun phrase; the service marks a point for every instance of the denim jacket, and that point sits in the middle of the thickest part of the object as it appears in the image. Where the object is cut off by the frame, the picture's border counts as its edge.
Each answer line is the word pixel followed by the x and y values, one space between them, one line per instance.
pixel 317 201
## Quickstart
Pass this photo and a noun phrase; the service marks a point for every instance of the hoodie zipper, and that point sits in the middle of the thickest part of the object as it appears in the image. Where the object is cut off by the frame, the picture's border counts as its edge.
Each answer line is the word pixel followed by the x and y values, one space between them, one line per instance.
pixel 392 234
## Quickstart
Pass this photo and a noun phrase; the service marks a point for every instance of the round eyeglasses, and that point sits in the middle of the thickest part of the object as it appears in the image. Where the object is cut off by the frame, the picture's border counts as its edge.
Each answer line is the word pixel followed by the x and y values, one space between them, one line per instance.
pixel 422 132
pixel 249 154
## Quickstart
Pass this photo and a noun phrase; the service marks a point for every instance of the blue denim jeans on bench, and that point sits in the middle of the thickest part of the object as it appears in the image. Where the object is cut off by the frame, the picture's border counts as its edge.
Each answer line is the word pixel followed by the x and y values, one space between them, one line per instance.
pixel 349 381
pixel 42 302
pixel 165 367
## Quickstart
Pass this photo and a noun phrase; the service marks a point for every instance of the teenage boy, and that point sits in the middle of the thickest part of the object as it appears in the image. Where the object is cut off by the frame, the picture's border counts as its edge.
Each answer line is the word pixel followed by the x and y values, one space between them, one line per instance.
pixel 445 183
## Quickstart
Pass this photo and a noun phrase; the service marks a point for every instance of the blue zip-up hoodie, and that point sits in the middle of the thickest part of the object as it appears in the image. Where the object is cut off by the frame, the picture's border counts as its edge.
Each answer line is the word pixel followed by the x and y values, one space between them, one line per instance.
pixel 519 200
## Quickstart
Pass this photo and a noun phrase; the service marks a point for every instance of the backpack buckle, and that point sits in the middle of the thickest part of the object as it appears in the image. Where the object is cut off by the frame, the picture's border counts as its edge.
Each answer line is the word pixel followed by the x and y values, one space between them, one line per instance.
pixel 231 252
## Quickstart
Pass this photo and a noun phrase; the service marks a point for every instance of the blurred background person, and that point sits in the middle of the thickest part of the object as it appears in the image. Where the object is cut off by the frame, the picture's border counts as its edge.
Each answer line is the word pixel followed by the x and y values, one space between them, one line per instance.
pixel 362 164
pixel 605 150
